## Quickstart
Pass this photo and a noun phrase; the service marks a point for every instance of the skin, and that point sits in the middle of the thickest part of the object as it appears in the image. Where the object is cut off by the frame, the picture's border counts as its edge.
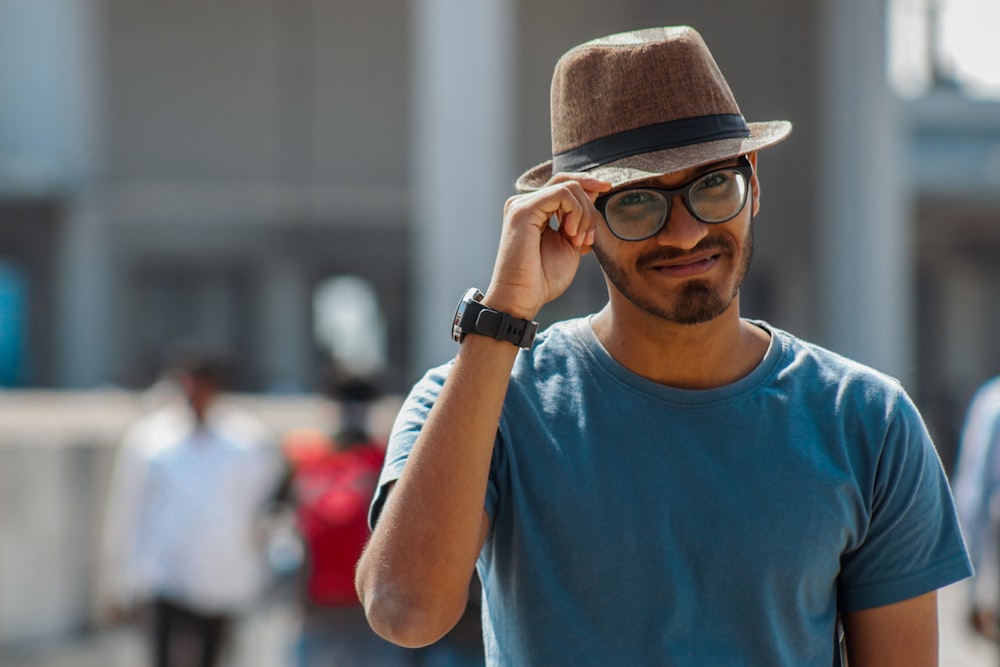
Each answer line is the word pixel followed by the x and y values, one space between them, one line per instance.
pixel 200 393
pixel 984 622
pixel 672 316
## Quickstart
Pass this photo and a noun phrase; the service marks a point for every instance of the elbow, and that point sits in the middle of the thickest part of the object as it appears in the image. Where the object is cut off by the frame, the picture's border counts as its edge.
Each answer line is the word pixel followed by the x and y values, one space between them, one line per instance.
pixel 404 618
pixel 403 625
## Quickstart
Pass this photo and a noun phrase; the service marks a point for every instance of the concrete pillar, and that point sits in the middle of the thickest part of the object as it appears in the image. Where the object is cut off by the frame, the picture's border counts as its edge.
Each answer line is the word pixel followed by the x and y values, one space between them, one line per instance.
pixel 47 81
pixel 86 336
pixel 283 344
pixel 967 295
pixel 463 103
pixel 50 81
pixel 865 233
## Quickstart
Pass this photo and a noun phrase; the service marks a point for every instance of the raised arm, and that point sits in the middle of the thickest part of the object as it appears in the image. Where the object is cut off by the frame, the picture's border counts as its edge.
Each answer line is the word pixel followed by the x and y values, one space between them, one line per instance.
pixel 413 578
pixel 904 634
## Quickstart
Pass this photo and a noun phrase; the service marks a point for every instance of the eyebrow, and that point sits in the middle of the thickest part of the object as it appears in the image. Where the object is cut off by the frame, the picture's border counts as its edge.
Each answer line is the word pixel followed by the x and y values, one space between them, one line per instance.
pixel 700 171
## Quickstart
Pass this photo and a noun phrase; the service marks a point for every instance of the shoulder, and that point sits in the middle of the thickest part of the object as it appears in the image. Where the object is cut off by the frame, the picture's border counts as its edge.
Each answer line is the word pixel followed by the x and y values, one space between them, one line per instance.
pixel 858 396
pixel 238 425
pixel 554 349
pixel 830 370
pixel 990 390
pixel 867 410
pixel 156 431
pixel 563 345
pixel 305 445
pixel 560 338
pixel 985 402
pixel 554 346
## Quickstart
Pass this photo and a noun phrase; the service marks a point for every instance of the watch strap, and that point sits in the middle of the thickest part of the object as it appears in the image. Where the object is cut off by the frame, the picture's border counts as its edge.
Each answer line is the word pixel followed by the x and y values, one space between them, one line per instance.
pixel 503 326
pixel 478 318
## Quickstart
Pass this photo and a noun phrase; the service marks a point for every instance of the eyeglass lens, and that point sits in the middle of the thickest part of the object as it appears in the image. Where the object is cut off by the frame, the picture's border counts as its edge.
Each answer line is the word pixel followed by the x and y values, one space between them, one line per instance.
pixel 639 213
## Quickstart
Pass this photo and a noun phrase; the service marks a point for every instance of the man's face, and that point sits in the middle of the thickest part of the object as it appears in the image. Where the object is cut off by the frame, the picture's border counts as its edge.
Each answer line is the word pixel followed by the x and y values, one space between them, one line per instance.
pixel 689 272
pixel 200 391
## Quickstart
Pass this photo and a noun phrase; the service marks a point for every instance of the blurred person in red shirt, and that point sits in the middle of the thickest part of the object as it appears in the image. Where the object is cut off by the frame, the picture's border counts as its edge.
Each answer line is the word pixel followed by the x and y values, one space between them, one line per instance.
pixel 330 481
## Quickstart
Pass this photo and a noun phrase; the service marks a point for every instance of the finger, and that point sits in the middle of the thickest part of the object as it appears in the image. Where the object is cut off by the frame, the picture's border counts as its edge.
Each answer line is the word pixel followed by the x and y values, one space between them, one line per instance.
pixel 581 234
pixel 568 202
pixel 585 231
pixel 559 201
pixel 576 217
pixel 592 185
pixel 538 208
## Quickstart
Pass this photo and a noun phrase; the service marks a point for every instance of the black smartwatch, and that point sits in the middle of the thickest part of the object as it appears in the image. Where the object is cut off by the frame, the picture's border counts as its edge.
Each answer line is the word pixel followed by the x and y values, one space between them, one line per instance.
pixel 472 317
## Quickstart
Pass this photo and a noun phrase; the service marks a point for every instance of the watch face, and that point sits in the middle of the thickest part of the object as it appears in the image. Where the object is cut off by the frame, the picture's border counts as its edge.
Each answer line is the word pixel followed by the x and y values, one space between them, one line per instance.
pixel 456 329
pixel 473 294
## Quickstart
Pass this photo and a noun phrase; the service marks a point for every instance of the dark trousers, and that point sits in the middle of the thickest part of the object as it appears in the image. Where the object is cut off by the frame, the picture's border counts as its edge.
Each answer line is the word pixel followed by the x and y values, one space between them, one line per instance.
pixel 183 637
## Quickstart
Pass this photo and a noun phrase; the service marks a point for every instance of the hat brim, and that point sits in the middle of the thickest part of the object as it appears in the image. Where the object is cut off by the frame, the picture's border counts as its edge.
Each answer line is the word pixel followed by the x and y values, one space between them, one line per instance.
pixel 657 163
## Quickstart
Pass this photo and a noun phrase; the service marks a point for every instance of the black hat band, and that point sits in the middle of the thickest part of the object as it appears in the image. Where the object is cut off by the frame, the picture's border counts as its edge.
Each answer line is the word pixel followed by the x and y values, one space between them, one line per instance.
pixel 651 138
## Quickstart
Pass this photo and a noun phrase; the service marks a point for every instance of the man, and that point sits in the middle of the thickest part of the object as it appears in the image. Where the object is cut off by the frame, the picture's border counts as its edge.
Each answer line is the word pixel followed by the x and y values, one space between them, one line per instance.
pixel 189 484
pixel 664 482
pixel 977 492
pixel 330 480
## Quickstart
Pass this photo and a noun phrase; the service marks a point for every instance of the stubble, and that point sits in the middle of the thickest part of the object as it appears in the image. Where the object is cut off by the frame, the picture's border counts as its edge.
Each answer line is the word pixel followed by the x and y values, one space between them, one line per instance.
pixel 697 301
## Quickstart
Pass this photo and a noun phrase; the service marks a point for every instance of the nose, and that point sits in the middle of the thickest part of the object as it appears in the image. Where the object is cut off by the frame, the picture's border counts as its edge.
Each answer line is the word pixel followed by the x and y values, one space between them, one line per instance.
pixel 682 230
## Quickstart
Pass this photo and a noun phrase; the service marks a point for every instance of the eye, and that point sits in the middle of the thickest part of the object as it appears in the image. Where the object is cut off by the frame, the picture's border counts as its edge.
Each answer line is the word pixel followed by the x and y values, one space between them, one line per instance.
pixel 634 198
pixel 715 180
pixel 633 214
pixel 718 195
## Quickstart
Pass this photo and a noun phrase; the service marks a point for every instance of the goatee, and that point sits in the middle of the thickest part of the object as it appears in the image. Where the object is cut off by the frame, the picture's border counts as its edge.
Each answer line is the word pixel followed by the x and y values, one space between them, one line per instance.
pixel 697 301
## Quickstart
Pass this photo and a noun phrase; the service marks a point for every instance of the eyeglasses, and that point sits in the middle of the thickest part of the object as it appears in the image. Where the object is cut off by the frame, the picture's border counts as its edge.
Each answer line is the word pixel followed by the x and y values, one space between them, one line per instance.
pixel 636 214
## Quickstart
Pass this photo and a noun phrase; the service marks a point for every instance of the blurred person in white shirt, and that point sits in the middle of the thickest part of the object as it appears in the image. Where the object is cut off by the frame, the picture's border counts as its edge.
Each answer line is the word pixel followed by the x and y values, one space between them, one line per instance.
pixel 186 497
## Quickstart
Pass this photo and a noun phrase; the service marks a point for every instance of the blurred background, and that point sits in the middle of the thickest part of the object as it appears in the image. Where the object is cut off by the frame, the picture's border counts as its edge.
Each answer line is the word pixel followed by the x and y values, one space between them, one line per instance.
pixel 303 181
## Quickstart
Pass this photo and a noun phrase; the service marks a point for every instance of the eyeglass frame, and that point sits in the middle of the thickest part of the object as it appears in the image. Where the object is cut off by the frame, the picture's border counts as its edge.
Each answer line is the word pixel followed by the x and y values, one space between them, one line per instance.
pixel 744 167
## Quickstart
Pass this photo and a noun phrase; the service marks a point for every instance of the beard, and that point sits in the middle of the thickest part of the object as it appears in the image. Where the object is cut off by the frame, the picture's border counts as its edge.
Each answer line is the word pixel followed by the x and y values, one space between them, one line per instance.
pixel 697 301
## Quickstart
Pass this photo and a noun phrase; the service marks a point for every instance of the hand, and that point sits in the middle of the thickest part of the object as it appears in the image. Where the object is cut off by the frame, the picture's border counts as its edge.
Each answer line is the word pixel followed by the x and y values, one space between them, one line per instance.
pixel 536 262
pixel 984 622
pixel 117 612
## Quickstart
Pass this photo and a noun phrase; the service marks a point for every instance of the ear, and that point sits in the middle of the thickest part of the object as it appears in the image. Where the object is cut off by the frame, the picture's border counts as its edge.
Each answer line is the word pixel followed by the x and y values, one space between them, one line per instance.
pixel 754 183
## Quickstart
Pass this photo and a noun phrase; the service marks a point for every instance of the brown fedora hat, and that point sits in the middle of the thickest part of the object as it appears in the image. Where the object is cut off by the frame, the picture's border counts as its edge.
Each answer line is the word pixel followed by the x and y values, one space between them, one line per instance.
pixel 641 104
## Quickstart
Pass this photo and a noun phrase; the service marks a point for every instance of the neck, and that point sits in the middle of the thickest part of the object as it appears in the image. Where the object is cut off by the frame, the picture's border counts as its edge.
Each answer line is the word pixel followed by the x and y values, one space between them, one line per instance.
pixel 687 356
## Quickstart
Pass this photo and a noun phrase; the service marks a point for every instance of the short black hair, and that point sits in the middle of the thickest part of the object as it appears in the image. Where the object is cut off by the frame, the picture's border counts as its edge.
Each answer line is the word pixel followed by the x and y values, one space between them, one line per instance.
pixel 342 385
pixel 199 360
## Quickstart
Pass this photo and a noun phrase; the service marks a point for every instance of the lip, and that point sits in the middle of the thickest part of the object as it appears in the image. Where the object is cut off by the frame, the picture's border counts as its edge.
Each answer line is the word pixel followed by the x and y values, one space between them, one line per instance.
pixel 688 266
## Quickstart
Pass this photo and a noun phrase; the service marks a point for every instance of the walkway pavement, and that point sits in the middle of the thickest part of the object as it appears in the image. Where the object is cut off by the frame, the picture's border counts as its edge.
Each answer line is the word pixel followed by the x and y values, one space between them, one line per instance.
pixel 265 638
pixel 960 647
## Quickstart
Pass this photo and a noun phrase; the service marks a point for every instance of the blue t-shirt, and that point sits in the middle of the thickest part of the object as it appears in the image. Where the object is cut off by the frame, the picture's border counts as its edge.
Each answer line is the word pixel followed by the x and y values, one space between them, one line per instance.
pixel 639 524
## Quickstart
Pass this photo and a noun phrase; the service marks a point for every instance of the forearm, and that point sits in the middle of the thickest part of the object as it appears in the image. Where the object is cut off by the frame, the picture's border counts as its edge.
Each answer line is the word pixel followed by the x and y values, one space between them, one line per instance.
pixel 414 576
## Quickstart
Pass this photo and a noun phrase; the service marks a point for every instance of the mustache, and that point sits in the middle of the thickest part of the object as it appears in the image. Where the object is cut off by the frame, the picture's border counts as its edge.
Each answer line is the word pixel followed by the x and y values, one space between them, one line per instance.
pixel 665 254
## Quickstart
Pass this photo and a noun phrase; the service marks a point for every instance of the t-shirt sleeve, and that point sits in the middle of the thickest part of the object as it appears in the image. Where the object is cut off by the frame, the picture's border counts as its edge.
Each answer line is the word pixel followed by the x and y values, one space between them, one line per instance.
pixel 913 544
pixel 410 420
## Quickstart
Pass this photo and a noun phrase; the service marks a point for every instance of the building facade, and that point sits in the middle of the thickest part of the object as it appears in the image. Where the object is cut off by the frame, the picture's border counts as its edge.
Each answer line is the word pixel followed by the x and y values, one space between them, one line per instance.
pixel 171 170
